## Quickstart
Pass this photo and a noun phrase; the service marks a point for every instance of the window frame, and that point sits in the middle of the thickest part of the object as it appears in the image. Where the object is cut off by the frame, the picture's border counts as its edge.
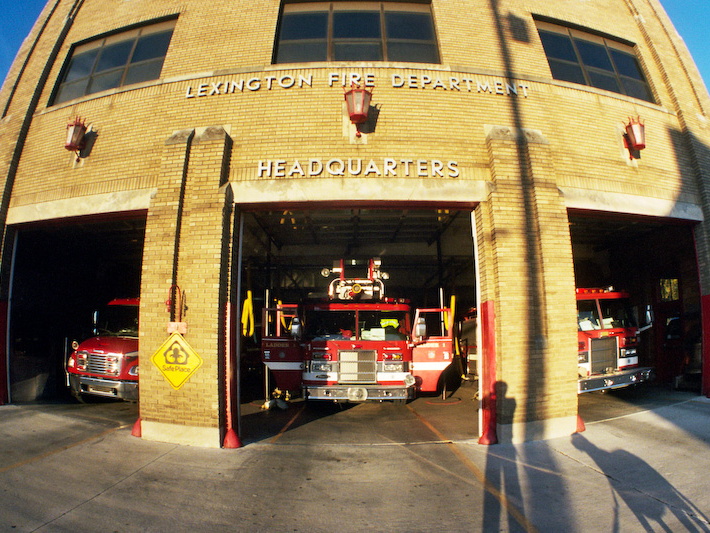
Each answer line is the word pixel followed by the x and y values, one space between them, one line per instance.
pixel 589 72
pixel 131 34
pixel 332 7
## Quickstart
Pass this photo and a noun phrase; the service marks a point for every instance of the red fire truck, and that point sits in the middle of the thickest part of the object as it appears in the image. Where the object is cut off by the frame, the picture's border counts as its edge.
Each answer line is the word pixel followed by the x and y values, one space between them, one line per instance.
pixel 357 344
pixel 107 364
pixel 608 340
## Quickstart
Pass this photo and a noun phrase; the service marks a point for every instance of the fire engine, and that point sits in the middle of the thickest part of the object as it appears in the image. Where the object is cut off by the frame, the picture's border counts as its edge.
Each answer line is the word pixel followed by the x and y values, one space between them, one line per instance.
pixel 357 344
pixel 608 340
pixel 107 364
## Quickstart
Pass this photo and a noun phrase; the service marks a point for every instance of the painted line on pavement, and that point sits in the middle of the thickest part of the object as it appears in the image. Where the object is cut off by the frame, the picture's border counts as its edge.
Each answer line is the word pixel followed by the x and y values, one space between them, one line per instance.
pixel 480 476
pixel 284 429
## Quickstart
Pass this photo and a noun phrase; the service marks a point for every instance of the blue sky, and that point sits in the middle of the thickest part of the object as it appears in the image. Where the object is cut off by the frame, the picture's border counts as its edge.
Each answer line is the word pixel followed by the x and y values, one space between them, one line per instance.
pixel 691 18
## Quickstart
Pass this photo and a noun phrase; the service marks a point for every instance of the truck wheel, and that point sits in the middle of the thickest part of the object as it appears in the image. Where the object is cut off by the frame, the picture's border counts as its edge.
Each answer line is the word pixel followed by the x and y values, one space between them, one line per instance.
pixel 78 396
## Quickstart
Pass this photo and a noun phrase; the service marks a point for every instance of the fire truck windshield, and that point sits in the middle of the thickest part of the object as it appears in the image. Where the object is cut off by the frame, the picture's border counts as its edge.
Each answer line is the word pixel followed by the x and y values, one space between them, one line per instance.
pixel 118 320
pixel 376 325
pixel 614 314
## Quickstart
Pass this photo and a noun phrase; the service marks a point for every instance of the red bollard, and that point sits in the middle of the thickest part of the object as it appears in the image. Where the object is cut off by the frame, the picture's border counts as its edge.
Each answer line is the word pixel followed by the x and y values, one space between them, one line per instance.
pixel 137 430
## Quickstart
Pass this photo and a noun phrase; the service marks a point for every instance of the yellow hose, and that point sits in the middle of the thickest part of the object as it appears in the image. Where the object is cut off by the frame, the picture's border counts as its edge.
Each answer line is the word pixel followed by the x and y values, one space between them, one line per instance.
pixel 452 309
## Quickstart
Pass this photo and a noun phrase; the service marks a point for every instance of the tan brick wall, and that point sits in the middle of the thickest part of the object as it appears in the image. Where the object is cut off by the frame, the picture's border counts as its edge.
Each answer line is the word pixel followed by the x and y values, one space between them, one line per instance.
pixel 192 204
pixel 220 42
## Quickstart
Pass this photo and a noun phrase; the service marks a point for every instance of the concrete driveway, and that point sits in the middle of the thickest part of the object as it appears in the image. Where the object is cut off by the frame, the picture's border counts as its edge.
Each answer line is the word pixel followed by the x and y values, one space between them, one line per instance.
pixel 375 467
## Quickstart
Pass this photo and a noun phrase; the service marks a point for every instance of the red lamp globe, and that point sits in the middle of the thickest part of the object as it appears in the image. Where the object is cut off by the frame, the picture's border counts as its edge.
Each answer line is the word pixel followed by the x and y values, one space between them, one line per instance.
pixel 358 102
pixel 76 130
pixel 636 134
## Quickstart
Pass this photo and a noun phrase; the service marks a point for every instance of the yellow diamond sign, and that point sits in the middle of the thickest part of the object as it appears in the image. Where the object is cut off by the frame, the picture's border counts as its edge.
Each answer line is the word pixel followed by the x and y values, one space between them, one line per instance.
pixel 176 360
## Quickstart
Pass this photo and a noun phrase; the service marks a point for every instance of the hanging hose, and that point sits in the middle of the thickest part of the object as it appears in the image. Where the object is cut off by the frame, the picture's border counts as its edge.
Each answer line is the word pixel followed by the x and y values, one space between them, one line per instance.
pixel 248 316
pixel 452 306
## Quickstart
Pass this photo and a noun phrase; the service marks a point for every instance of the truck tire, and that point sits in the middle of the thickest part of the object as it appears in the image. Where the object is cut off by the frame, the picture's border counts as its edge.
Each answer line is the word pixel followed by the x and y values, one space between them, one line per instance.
pixel 78 396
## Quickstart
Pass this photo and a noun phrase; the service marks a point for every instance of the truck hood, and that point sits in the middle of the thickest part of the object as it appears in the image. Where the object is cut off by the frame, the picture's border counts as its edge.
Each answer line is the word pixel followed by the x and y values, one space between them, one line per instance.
pixel 106 344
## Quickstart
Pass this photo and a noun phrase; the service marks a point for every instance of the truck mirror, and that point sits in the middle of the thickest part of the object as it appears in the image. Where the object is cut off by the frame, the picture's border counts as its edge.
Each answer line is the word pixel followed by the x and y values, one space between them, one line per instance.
pixel 648 319
pixel 649 315
pixel 296 328
pixel 420 328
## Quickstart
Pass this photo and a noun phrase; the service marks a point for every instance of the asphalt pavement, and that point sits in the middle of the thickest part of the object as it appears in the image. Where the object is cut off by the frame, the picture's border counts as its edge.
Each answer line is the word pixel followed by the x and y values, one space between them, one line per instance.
pixel 365 467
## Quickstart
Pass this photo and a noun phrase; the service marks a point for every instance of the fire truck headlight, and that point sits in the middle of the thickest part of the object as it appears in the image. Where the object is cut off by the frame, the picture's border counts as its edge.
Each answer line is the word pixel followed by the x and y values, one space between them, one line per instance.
pixel 582 357
pixel 320 366
pixel 133 371
pixel 71 363
pixel 394 366
pixel 409 380
pixel 628 352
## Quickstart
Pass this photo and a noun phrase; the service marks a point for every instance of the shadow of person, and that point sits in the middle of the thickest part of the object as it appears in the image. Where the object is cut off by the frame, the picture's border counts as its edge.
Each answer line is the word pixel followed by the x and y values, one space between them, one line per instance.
pixel 503 490
pixel 512 505
pixel 650 497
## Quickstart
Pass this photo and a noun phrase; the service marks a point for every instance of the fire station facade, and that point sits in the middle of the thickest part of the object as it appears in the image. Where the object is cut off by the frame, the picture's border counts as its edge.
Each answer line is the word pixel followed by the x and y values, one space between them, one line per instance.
pixel 513 112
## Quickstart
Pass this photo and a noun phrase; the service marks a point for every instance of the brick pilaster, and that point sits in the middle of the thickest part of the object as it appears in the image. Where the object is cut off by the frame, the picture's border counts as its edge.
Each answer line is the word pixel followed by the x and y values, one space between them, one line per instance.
pixel 526 266
pixel 188 237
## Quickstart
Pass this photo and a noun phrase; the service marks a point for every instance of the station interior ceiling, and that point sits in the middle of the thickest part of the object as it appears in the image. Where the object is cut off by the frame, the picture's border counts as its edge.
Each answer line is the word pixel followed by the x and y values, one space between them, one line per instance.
pixel 420 249
pixel 285 250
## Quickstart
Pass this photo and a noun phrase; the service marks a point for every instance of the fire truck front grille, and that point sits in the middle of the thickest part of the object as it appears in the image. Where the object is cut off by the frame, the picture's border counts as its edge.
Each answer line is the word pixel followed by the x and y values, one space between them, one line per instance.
pixel 107 364
pixel 604 352
pixel 358 366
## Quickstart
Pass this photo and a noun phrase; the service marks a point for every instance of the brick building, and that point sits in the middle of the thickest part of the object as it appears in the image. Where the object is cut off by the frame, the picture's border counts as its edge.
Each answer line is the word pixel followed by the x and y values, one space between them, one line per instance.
pixel 220 158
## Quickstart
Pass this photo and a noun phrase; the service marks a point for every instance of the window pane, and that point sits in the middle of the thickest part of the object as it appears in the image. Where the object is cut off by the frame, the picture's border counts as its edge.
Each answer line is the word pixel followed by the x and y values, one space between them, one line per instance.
pixel 669 290
pixel 567 72
pixel 602 63
pixel 304 26
pixel 601 80
pixel 81 65
pixel 339 32
pixel 69 91
pixel 558 46
pixel 409 26
pixel 103 64
pixel 414 53
pixel 151 46
pixel 149 70
pixel 626 64
pixel 115 55
pixel 594 55
pixel 637 89
pixel 106 81
pixel 302 52
pixel 350 51
pixel 356 24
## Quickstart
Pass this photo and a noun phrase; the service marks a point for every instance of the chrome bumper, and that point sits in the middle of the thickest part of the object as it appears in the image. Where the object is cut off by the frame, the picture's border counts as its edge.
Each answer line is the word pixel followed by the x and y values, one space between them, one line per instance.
pixel 615 380
pixel 357 393
pixel 124 390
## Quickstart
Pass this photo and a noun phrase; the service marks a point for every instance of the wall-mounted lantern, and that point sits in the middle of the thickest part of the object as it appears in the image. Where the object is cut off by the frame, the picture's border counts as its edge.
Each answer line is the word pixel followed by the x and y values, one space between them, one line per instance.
pixel 76 132
pixel 358 102
pixel 635 137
